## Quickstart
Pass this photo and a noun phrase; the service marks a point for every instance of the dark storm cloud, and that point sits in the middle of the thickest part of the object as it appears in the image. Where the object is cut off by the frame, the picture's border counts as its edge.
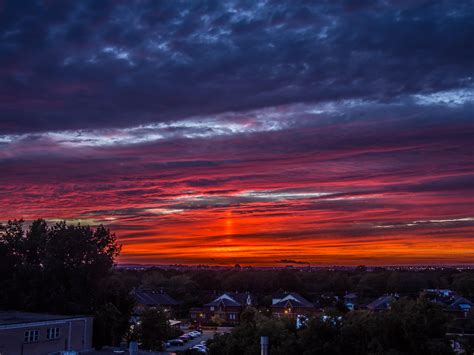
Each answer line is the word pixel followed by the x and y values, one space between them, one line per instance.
pixel 96 64
pixel 289 131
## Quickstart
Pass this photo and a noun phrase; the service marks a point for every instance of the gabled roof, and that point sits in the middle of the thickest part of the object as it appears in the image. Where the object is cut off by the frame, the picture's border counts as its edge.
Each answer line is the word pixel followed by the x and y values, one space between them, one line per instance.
pixel 242 297
pixel 458 304
pixel 291 299
pixel 381 303
pixel 154 298
pixel 232 299
pixel 439 291
pixel 440 296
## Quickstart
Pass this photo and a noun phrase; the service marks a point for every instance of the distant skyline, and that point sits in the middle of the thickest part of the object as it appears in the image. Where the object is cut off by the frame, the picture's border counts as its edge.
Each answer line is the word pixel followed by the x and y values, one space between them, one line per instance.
pixel 250 132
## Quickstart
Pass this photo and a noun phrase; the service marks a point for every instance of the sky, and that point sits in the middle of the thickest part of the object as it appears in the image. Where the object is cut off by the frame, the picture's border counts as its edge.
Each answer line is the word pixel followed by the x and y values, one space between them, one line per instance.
pixel 251 132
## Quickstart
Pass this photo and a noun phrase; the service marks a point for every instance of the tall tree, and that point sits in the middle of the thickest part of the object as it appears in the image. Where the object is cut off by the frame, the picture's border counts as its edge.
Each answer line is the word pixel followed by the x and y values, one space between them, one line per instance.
pixel 63 269
pixel 154 329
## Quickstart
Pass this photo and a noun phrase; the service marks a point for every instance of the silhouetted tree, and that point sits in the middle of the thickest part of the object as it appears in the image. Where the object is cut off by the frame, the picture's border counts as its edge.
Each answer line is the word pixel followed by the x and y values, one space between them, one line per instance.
pixel 65 269
pixel 153 329
pixel 320 337
pixel 464 284
pixel 410 327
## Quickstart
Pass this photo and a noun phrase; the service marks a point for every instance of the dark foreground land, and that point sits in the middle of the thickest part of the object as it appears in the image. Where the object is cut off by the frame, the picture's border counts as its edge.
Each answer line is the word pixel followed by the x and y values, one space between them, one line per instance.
pixel 69 269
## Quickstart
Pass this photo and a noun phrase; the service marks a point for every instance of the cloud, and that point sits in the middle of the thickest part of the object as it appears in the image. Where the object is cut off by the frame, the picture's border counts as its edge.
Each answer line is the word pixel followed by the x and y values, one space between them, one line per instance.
pixel 115 65
pixel 312 132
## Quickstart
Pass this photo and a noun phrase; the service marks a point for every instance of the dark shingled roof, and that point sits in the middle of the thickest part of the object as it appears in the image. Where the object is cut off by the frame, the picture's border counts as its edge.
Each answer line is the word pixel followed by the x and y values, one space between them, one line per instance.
pixel 382 303
pixel 292 298
pixel 456 305
pixel 154 298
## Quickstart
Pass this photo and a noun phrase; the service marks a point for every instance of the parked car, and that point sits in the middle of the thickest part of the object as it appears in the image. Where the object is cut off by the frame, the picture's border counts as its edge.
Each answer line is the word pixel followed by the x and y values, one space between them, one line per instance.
pixel 194 334
pixel 200 348
pixel 185 337
pixel 174 342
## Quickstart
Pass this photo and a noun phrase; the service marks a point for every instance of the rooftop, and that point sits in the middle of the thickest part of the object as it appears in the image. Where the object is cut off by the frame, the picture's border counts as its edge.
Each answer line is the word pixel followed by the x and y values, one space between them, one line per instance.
pixel 15 317
pixel 232 299
pixel 154 298
pixel 296 300
pixel 462 304
pixel 381 303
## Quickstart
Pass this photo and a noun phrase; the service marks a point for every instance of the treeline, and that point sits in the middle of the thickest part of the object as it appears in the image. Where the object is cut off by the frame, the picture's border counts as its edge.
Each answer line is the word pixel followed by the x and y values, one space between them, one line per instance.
pixel 65 269
pixel 197 286
pixel 69 269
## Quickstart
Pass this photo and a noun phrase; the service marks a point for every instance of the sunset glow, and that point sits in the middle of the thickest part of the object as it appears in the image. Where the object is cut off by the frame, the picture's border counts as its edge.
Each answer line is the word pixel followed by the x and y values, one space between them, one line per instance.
pixel 223 138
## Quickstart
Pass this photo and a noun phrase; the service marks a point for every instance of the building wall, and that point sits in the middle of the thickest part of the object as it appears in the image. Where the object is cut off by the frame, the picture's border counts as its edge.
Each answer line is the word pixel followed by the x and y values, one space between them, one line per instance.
pixel 280 311
pixel 225 312
pixel 170 310
pixel 197 314
pixel 12 337
pixel 459 314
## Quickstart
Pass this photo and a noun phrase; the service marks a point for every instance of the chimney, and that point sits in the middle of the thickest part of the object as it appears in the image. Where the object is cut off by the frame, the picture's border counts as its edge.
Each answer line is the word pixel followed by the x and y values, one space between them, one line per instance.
pixel 264 345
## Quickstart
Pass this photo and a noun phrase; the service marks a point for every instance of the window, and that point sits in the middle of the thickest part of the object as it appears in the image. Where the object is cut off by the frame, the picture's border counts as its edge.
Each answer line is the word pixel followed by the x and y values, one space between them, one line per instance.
pixel 212 308
pixel 232 316
pixel 31 336
pixel 52 333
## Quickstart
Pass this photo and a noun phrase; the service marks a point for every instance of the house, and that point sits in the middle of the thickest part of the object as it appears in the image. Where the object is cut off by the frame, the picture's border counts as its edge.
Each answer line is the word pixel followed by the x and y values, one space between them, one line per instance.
pixel 350 301
pixel 145 299
pixel 175 324
pixel 439 293
pixel 382 303
pixel 460 307
pixel 450 301
pixel 38 334
pixel 328 299
pixel 440 296
pixel 291 303
pixel 197 314
pixel 227 306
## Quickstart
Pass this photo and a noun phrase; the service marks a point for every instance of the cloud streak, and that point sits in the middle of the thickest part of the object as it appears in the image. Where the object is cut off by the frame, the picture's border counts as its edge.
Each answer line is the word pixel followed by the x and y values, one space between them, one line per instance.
pixel 252 133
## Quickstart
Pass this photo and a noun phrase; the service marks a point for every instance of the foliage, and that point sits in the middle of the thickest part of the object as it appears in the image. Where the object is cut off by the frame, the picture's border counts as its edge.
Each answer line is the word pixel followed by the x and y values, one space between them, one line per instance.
pixel 218 318
pixel 469 329
pixel 465 284
pixel 197 286
pixel 410 327
pixel 107 322
pixel 65 269
pixel 245 338
pixel 153 329
pixel 69 269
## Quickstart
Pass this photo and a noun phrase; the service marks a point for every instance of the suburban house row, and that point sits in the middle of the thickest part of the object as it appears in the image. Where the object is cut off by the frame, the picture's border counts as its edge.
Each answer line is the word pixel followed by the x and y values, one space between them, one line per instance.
pixel 228 306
